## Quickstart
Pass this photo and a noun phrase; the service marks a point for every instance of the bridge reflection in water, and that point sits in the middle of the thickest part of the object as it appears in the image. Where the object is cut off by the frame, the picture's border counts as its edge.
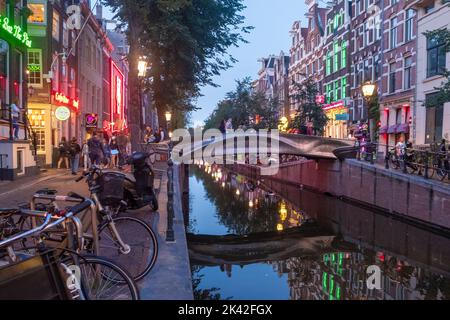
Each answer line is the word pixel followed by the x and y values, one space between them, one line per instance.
pixel 247 242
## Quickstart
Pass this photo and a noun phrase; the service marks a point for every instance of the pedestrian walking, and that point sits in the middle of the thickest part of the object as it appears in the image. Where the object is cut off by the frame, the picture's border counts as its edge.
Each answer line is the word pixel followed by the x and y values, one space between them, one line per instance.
pixel 222 127
pixel 114 146
pixel 15 115
pixel 95 149
pixel 106 161
pixel 85 156
pixel 63 149
pixel 229 125
pixel 74 152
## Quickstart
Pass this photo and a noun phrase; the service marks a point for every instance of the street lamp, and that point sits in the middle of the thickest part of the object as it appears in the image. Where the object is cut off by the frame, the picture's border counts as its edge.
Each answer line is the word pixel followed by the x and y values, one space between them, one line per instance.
pixel 142 67
pixel 168 116
pixel 368 91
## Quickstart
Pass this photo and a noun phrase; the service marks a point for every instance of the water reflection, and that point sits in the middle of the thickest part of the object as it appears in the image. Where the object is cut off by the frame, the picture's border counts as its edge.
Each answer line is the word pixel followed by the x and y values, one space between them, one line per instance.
pixel 415 263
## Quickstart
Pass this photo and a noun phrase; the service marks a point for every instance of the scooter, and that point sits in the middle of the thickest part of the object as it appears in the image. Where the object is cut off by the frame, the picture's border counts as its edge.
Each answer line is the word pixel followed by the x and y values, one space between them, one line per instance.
pixel 138 187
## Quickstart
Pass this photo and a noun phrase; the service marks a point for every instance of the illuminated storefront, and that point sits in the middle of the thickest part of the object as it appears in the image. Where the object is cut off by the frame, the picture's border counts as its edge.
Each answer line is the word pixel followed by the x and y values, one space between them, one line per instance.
pixel 118 121
pixel 337 126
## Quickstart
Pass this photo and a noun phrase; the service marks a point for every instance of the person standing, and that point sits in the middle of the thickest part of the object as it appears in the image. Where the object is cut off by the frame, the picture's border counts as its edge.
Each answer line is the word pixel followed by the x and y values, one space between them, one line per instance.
pixel 63 153
pixel 85 156
pixel 113 145
pixel 222 126
pixel 95 149
pixel 162 134
pixel 15 114
pixel 106 154
pixel 74 152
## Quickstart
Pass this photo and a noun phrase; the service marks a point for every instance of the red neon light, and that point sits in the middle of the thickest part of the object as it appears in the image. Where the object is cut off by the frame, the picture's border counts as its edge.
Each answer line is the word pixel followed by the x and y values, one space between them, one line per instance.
pixel 62 99
pixel 117 110
pixel 339 104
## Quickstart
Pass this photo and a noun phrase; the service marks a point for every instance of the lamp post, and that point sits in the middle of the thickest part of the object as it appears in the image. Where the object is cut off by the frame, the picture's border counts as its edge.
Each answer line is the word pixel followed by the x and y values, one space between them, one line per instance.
pixel 168 120
pixel 368 90
pixel 142 70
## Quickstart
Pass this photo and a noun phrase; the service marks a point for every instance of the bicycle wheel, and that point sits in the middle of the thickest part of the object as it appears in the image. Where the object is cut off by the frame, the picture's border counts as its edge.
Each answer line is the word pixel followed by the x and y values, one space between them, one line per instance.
pixel 142 250
pixel 394 162
pixel 102 279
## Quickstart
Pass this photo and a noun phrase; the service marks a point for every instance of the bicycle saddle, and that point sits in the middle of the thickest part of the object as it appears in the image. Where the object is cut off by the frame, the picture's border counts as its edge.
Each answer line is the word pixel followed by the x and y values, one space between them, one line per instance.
pixel 48 192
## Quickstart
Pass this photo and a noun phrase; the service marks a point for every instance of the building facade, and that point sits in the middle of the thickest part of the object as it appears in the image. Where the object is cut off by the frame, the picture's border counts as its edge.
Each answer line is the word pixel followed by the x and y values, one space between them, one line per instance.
pixel 336 82
pixel 16 155
pixel 307 52
pixel 265 83
pixel 430 124
pixel 366 56
pixel 399 45
pixel 281 84
pixel 53 103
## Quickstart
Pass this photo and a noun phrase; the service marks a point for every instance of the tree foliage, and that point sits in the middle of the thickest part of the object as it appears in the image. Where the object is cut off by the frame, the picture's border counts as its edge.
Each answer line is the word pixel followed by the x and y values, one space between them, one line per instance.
pixel 309 110
pixel 184 41
pixel 242 105
pixel 443 94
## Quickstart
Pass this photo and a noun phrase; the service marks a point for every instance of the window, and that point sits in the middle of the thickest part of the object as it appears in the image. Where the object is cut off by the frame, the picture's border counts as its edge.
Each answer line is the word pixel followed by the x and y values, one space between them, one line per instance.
pixel 435 57
pixel 35 67
pixel 407 73
pixel 328 67
pixel 344 55
pixel 434 122
pixel 392 71
pixel 344 87
pixel 337 50
pixel 410 13
pixel 37 13
pixel 394 2
pixel 337 90
pixel 376 67
pixel 358 8
pixel 40 139
pixel 55 27
pixel 65 35
pixel 393 33
pixel 367 71
pixel 429 8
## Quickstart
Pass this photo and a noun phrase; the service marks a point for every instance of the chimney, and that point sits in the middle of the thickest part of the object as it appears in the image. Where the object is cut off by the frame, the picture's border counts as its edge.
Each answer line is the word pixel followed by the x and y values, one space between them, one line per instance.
pixel 99 12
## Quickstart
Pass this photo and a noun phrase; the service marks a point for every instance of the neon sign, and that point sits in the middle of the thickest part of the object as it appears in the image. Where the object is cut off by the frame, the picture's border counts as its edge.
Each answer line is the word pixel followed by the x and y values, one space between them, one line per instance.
pixel 62 113
pixel 62 99
pixel 15 31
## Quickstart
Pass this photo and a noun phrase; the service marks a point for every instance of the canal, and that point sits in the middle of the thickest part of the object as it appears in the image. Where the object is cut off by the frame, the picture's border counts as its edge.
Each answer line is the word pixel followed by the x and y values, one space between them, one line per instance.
pixel 262 239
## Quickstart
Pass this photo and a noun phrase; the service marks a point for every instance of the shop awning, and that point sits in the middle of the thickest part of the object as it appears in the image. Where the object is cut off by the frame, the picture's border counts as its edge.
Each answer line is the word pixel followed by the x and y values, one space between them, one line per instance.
pixel 384 129
pixel 392 129
pixel 403 128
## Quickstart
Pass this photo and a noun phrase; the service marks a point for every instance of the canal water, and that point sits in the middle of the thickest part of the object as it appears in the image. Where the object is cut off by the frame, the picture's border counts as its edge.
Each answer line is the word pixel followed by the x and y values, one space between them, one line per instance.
pixel 261 239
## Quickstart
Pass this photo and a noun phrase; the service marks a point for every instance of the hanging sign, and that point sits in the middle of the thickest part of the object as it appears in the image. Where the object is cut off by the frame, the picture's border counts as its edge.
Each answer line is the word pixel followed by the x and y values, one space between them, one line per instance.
pixel 15 31
pixel 62 113
pixel 62 99
pixel 91 121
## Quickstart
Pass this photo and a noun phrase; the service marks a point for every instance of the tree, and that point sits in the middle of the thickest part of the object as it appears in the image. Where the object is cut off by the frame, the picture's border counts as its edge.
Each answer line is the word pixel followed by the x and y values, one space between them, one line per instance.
pixel 185 42
pixel 443 94
pixel 309 110
pixel 242 105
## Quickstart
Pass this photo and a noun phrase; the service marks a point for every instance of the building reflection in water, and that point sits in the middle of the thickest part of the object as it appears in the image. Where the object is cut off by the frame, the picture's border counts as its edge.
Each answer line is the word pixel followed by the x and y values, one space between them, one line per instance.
pixel 246 206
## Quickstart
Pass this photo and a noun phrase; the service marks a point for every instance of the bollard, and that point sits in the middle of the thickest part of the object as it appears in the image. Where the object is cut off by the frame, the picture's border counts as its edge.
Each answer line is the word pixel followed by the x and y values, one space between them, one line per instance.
pixel 426 165
pixel 386 159
pixel 170 235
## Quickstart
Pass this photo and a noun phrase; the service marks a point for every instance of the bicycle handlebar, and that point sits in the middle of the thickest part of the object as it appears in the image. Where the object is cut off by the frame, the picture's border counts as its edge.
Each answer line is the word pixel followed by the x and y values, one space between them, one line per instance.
pixel 46 224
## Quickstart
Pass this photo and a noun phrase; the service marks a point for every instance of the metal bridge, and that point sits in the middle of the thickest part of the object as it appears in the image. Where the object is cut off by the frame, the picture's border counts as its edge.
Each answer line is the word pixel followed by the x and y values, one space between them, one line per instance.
pixel 310 147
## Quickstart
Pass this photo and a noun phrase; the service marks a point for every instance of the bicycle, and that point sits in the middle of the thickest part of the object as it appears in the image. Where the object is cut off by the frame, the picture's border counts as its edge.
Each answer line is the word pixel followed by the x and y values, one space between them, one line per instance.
pixel 98 278
pixel 125 240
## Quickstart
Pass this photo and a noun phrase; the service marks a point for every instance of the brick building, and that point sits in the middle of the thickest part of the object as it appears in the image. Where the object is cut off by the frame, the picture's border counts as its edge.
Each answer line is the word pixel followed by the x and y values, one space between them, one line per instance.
pixel 336 82
pixel 398 69
pixel 307 51
pixel 365 48
pixel 281 83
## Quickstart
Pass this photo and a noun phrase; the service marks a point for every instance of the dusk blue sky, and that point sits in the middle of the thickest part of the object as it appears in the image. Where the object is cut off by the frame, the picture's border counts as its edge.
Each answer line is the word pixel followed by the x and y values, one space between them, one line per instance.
pixel 272 21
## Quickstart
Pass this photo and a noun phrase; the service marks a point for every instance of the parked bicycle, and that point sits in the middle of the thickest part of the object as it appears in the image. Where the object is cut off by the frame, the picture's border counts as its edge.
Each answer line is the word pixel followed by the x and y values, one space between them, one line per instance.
pixel 57 272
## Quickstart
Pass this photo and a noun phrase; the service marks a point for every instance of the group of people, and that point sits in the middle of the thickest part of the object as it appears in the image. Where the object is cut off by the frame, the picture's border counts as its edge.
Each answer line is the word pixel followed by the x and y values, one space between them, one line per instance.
pixel 108 153
pixel 154 136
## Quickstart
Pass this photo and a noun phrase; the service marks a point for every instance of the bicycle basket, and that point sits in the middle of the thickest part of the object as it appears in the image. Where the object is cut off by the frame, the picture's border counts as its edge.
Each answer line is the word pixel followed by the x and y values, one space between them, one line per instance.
pixel 112 188
pixel 37 278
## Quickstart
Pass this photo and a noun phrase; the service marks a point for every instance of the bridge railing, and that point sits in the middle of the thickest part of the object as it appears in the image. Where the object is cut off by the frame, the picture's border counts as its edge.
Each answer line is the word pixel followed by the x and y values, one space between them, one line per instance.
pixel 430 164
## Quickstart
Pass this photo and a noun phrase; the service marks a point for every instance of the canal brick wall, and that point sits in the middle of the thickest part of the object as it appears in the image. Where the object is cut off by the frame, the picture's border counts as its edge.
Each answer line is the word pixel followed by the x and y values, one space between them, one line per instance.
pixel 409 196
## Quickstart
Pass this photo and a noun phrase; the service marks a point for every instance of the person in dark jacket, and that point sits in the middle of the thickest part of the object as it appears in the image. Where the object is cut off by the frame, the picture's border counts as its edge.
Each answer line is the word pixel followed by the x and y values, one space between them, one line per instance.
pixel 63 148
pixel 95 149
pixel 74 153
